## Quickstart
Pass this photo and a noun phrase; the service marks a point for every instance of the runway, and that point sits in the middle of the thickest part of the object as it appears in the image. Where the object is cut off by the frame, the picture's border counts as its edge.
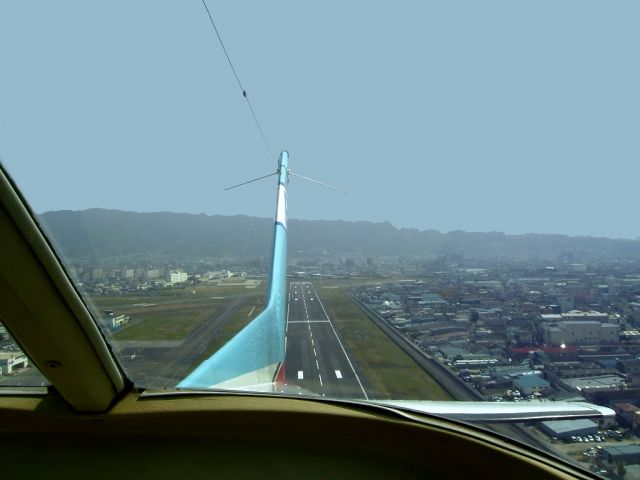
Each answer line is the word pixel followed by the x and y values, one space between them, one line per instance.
pixel 316 359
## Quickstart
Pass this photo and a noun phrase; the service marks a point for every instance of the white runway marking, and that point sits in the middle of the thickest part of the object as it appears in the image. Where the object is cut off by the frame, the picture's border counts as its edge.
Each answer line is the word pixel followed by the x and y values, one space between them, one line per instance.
pixel 340 343
pixel 304 297
pixel 251 311
pixel 286 329
pixel 309 321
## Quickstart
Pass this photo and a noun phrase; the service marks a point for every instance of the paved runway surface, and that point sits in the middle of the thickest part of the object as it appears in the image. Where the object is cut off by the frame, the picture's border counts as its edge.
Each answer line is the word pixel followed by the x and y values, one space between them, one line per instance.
pixel 316 360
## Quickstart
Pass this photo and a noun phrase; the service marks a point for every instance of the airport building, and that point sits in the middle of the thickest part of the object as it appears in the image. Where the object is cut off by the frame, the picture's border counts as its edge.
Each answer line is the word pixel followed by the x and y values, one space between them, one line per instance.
pixel 119 321
pixel 12 360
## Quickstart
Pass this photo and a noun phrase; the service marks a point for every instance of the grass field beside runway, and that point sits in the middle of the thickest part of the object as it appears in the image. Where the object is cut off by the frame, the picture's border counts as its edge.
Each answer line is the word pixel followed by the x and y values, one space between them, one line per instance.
pixel 175 323
pixel 173 313
pixel 390 373
pixel 237 322
pixel 204 293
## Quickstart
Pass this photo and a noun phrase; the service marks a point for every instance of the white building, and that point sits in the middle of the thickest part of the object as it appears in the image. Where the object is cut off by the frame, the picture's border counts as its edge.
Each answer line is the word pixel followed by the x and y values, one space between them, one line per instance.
pixel 119 321
pixel 576 332
pixel 591 384
pixel 11 360
pixel 178 277
pixel 590 315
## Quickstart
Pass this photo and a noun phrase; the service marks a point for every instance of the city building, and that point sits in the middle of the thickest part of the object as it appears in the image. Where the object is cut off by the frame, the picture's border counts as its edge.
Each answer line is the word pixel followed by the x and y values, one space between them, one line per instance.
pixel 529 384
pixel 626 413
pixel 591 384
pixel 589 315
pixel 579 332
pixel 632 472
pixel 622 453
pixel 563 429
pixel 178 277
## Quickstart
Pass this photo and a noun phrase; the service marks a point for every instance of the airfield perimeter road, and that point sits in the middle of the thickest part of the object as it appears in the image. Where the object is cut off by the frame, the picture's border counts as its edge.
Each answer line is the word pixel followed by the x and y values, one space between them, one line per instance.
pixel 316 360
pixel 164 364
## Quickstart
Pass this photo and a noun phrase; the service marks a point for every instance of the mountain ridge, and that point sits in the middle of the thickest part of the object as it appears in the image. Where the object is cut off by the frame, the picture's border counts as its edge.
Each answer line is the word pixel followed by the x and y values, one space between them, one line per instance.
pixel 106 233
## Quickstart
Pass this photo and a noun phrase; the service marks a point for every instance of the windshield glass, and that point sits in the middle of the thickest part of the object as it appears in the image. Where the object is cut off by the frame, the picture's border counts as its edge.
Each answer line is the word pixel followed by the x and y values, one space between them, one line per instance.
pixel 485 250
pixel 16 368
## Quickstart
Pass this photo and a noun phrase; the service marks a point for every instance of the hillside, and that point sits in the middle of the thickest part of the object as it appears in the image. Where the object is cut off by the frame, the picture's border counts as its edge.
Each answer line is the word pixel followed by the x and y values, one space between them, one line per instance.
pixel 100 233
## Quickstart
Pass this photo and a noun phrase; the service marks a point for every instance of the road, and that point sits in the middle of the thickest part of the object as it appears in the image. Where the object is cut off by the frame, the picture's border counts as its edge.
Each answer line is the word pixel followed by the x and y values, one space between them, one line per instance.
pixel 316 361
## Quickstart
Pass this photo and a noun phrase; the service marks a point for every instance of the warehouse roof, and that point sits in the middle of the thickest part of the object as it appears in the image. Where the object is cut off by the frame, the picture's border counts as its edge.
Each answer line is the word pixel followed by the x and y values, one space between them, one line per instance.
pixel 566 426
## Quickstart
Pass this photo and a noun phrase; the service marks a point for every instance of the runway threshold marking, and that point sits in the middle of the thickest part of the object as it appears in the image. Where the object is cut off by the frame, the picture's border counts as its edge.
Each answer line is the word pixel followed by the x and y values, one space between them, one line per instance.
pixel 340 343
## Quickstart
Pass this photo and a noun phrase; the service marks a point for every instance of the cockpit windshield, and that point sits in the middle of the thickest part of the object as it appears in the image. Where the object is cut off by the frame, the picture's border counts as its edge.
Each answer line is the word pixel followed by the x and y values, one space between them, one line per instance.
pixel 478 244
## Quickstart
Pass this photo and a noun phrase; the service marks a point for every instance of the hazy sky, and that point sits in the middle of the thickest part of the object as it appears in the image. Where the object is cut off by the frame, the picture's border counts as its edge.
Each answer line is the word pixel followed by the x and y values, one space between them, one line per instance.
pixel 510 116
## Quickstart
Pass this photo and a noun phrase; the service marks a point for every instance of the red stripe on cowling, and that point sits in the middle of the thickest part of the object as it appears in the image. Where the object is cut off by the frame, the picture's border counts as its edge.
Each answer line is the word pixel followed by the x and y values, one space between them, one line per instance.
pixel 280 375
